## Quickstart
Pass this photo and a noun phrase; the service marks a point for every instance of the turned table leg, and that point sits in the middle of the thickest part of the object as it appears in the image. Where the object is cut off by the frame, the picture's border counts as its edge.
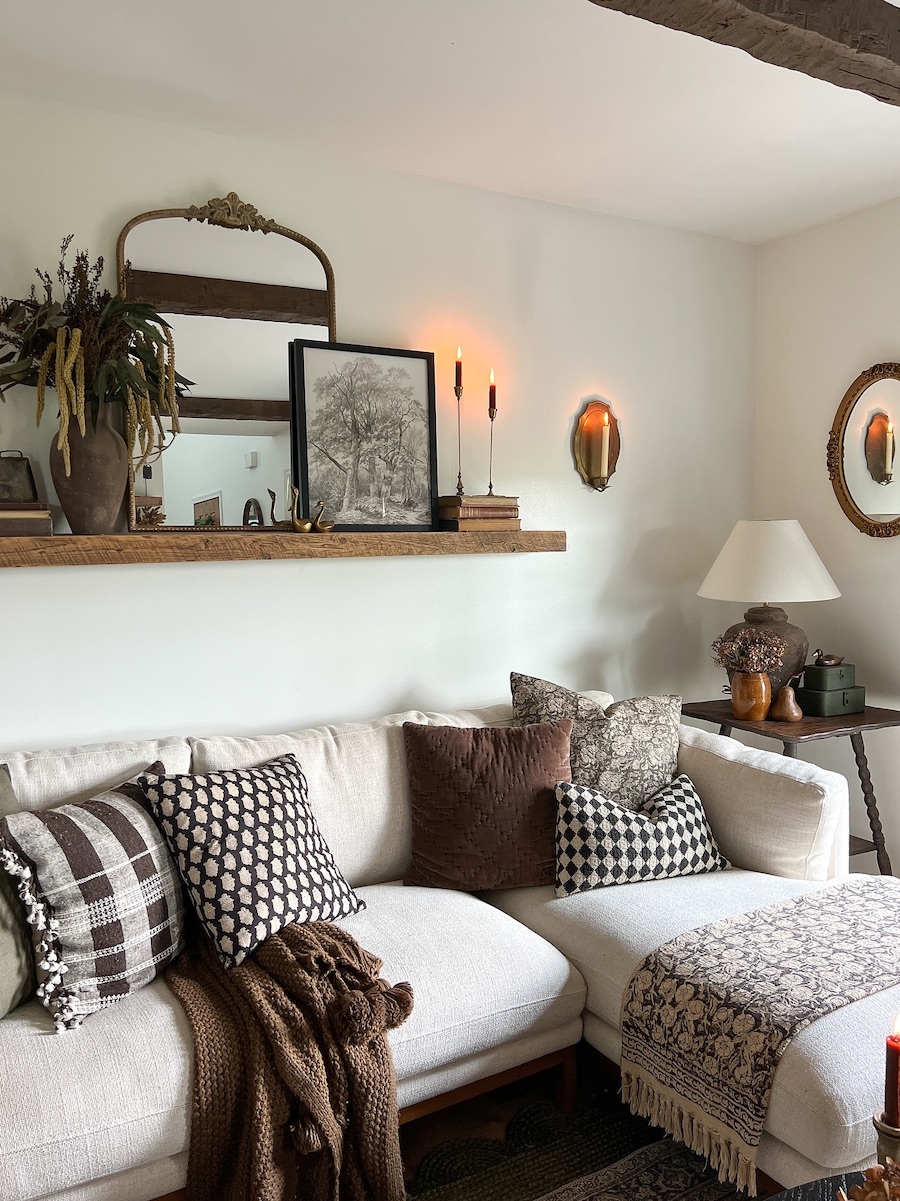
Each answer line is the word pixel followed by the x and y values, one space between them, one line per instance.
pixel 865 779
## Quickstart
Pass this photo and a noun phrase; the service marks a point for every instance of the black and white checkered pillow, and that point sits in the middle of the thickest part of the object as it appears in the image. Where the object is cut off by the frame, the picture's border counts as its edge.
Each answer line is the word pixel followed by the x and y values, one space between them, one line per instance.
pixel 250 852
pixel 599 842
pixel 102 894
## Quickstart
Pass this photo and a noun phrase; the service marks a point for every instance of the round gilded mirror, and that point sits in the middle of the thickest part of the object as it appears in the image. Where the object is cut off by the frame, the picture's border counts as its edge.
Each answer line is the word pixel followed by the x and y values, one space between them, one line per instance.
pixel 861 449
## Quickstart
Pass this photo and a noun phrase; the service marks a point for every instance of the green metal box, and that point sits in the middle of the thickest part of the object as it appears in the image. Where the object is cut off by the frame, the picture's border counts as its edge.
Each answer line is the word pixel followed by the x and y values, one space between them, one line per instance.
pixel 832 702
pixel 823 678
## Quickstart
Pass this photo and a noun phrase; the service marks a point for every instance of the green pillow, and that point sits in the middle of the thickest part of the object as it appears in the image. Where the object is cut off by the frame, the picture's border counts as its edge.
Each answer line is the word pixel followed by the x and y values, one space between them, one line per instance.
pixel 17 980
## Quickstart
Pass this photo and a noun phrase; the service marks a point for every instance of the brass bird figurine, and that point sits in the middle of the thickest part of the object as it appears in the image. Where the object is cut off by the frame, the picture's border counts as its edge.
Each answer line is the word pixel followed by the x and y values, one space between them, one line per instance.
pixel 299 525
pixel 319 524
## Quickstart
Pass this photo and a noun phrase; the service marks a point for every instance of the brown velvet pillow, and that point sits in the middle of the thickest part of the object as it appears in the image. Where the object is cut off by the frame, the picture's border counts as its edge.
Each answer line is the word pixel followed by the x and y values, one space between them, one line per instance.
pixel 484 805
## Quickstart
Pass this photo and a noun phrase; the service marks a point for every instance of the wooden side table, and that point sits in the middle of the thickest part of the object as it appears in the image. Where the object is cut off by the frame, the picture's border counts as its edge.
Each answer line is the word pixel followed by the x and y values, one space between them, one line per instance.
pixel 792 733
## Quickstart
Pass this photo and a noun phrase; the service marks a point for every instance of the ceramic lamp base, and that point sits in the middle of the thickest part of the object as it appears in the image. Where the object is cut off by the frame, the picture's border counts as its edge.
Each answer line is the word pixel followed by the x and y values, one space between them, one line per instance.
pixel 774 620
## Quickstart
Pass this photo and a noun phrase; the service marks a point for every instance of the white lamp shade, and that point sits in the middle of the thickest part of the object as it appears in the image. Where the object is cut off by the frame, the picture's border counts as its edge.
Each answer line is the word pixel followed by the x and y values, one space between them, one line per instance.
pixel 768 562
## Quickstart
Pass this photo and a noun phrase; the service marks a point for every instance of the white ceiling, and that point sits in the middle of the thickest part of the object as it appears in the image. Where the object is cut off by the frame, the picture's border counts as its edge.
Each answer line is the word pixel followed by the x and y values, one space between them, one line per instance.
pixel 552 99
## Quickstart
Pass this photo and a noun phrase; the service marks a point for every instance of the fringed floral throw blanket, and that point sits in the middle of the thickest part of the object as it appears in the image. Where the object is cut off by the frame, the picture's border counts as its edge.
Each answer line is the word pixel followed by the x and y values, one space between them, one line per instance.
pixel 294 1092
pixel 707 1016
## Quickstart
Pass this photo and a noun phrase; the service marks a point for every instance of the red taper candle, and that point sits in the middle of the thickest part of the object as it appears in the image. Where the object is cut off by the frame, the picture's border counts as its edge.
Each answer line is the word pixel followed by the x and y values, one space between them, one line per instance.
pixel 458 367
pixel 492 392
pixel 892 1077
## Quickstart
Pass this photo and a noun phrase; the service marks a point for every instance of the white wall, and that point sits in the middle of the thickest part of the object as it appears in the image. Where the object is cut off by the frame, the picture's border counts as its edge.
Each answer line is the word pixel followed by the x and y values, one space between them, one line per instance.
pixel 563 304
pixel 828 310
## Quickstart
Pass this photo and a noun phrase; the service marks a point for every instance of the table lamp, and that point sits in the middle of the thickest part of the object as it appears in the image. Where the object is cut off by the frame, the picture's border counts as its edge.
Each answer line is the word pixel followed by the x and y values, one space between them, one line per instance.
pixel 770 561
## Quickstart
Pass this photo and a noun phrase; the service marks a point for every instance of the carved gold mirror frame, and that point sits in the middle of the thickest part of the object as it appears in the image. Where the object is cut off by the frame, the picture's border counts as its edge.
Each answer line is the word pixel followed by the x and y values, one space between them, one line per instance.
pixel 211 296
pixel 835 454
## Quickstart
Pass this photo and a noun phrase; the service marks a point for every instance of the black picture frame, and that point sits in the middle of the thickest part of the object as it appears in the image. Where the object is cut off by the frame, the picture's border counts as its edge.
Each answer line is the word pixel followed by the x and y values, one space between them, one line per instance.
pixel 363 435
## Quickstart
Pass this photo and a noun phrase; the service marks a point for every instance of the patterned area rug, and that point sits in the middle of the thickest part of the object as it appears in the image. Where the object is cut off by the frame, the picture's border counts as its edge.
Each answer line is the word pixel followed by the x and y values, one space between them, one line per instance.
pixel 599 1153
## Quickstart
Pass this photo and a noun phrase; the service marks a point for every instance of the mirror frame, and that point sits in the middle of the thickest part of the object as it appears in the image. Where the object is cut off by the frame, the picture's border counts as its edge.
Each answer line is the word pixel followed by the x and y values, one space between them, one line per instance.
pixel 229 212
pixel 835 453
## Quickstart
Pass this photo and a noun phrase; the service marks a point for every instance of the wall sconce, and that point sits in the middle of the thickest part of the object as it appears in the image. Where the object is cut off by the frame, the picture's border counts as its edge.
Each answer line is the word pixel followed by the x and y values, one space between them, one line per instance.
pixel 595 444
pixel 880 448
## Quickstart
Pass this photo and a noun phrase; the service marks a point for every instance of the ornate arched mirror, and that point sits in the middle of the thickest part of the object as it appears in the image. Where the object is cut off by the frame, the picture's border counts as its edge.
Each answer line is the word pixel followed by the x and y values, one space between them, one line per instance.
pixel 236 288
pixel 861 451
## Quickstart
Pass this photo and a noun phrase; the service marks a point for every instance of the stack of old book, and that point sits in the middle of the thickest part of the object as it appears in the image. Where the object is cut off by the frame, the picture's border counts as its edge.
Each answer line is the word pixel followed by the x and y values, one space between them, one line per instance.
pixel 479 513
pixel 24 519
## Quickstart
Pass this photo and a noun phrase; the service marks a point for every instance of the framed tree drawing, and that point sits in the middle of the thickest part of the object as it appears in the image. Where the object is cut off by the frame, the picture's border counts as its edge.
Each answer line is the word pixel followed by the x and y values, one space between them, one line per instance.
pixel 364 434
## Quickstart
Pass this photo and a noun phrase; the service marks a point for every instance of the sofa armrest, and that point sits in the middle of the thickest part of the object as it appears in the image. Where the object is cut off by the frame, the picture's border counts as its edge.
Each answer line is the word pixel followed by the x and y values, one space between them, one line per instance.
pixel 769 813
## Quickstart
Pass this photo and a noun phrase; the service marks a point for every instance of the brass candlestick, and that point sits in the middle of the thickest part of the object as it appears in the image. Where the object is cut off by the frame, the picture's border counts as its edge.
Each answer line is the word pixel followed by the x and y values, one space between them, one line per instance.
pixel 459 484
pixel 888 1147
pixel 492 413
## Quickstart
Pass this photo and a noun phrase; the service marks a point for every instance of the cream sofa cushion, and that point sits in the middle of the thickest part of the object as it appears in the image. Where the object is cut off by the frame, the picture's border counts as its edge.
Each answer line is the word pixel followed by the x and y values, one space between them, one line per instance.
pixel 42 779
pixel 480 980
pixel 790 821
pixel 110 1096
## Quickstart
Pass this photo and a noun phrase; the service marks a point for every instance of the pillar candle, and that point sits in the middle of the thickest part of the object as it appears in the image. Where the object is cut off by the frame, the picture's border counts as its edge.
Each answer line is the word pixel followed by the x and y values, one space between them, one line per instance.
pixel 459 367
pixel 604 448
pixel 892 1077
pixel 492 392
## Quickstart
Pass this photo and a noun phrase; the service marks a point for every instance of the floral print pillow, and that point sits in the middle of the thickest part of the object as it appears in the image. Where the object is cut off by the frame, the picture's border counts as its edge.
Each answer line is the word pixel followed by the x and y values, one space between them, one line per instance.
pixel 627 751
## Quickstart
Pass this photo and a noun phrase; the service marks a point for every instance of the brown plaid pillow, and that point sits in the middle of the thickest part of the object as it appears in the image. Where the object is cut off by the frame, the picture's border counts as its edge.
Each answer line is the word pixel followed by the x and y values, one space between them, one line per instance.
pixel 103 895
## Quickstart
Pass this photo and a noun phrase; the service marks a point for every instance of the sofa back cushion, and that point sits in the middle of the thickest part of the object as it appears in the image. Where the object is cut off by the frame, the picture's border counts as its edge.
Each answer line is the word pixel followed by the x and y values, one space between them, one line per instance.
pixel 68 775
pixel 358 781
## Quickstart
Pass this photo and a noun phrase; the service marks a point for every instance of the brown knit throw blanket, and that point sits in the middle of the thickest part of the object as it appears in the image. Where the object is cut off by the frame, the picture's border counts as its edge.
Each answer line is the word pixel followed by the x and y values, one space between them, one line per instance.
pixel 707 1016
pixel 294 1094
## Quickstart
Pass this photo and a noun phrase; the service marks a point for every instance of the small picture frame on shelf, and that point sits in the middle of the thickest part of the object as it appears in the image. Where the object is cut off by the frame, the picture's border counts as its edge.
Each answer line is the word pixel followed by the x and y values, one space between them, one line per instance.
pixel 363 422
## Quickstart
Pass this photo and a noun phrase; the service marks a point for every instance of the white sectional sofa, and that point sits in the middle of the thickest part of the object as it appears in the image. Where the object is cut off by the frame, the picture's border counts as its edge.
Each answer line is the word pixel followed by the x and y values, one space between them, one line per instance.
pixel 102 1113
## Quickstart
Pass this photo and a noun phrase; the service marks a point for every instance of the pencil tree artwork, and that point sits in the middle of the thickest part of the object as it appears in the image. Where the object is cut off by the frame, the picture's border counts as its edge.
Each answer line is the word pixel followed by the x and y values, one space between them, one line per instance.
pixel 367 438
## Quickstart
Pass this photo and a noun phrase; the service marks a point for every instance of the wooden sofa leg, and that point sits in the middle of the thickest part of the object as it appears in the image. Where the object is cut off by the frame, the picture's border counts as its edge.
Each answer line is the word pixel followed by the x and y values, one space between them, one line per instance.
pixel 566 1085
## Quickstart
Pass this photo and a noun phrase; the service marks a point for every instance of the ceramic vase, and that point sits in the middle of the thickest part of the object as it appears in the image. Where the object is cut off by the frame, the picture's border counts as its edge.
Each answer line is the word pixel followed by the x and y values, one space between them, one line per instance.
pixel 93 493
pixel 751 695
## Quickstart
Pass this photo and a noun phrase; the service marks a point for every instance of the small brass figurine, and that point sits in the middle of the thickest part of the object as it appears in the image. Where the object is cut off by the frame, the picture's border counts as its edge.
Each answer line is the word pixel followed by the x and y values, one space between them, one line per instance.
pixel 823 660
pixel 319 524
pixel 299 525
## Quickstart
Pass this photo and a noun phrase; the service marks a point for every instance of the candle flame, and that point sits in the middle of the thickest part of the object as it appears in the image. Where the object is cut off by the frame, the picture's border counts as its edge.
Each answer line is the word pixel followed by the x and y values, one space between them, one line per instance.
pixel 492 375
pixel 890 428
pixel 458 354
pixel 896 1030
pixel 605 418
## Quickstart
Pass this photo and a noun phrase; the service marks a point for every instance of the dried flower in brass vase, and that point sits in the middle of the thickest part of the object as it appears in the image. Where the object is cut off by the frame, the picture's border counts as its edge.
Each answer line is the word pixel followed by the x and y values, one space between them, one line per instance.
pixel 749 649
pixel 93 348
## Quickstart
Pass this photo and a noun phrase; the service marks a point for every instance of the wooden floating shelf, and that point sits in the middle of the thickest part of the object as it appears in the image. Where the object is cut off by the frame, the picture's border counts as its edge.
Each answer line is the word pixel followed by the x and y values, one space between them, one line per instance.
pixel 72 550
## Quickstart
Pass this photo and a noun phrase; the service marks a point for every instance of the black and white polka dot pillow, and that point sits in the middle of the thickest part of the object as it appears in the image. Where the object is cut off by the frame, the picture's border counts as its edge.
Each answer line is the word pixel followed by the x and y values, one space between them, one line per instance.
pixel 250 852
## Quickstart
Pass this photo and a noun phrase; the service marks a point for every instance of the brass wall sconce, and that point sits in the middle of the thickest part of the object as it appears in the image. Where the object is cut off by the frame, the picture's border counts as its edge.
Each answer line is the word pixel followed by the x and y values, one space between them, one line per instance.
pixel 595 444
pixel 880 448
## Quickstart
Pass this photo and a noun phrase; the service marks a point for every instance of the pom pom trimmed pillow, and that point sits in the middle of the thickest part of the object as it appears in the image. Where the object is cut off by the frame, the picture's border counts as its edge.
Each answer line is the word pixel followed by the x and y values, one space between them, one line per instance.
pixel 103 895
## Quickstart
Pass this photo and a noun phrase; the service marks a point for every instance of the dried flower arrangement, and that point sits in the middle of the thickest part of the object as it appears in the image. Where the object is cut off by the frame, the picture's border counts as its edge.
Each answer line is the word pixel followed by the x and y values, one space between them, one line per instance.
pixel 880 1183
pixel 93 348
pixel 748 649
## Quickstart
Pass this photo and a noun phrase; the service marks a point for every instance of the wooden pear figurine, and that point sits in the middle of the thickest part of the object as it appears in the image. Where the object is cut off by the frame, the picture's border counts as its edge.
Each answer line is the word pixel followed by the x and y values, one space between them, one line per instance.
pixel 320 526
pixel 300 525
pixel 785 707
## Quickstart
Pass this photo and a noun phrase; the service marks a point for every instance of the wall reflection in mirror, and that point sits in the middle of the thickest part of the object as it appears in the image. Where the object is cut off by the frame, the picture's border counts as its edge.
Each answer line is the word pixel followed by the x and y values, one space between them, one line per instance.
pixel 861 451
pixel 235 296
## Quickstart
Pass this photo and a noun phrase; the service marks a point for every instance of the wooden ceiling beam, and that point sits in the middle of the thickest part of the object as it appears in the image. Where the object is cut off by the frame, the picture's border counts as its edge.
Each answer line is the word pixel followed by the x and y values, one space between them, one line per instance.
pixel 851 43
